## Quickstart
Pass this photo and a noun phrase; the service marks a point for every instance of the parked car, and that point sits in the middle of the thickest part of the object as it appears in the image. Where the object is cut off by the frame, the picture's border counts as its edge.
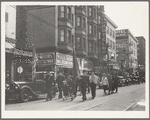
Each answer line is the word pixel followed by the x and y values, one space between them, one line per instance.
pixel 121 81
pixel 25 90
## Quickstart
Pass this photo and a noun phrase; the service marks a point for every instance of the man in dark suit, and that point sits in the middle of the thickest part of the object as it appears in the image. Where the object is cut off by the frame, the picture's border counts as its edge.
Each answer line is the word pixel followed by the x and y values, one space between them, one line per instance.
pixel 49 86
pixel 59 81
pixel 84 82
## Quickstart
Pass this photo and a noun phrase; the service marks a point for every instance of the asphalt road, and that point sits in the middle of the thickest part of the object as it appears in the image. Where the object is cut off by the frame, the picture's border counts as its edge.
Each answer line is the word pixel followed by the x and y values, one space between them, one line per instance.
pixel 126 96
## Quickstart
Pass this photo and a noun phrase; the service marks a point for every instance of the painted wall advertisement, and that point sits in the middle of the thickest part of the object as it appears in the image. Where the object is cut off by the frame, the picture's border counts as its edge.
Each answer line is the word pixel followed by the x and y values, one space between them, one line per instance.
pixel 121 46
pixel 103 34
pixel 122 32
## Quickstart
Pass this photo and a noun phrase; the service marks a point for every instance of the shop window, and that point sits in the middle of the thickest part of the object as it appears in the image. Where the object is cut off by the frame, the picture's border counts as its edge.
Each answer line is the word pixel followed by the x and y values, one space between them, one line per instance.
pixel 6 17
pixel 62 14
pixel 62 38
pixel 78 21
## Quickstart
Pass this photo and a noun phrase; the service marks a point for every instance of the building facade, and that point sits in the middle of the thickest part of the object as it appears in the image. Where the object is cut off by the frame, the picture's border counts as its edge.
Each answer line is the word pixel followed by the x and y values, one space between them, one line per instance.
pixel 141 51
pixel 127 50
pixel 54 30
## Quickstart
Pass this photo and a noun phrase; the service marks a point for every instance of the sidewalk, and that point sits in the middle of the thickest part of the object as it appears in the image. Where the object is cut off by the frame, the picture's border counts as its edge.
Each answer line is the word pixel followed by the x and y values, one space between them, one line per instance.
pixel 139 106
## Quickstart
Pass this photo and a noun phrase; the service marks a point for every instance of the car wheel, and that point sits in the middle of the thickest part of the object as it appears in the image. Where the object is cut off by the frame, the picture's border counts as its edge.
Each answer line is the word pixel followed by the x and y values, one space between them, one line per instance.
pixel 24 95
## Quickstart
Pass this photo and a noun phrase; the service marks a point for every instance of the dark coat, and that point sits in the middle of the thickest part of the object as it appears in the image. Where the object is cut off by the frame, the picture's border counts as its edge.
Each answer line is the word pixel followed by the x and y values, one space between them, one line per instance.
pixel 115 81
pixel 84 80
pixel 49 81
pixel 59 80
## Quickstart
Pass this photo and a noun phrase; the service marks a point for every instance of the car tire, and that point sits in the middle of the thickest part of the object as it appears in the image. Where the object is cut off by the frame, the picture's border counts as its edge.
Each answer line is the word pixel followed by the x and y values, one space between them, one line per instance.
pixel 24 95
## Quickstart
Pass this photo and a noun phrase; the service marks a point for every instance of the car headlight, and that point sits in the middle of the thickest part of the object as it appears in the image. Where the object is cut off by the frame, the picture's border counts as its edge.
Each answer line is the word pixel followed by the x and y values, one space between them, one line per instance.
pixel 17 87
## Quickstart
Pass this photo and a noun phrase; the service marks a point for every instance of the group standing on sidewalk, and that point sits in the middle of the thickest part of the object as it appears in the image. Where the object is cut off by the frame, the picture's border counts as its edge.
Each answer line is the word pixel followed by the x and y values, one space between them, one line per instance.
pixel 68 86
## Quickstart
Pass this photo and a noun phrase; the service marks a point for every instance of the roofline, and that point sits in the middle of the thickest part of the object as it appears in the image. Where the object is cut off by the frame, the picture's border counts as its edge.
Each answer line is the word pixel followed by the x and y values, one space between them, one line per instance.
pixel 130 34
pixel 111 21
pixel 140 37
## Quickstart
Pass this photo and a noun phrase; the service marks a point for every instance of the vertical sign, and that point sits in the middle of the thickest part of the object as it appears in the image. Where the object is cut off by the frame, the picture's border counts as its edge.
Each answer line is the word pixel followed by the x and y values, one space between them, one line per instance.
pixel 103 34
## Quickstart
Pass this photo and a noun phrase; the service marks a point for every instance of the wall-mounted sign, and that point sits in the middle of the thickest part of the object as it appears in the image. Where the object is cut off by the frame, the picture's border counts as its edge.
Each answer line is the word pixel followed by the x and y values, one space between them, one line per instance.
pixel 103 34
pixel 46 59
pixel 121 32
pixel 20 69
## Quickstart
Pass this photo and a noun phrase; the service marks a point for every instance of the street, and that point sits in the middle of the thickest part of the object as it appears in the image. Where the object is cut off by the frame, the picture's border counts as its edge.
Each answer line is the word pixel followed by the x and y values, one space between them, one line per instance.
pixel 121 101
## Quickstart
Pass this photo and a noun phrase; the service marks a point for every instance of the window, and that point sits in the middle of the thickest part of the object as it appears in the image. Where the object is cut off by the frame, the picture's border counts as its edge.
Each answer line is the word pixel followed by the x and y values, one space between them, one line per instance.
pixel 84 43
pixel 99 19
pixel 6 17
pixel 113 34
pixel 90 11
pixel 78 42
pixel 78 21
pixel 69 13
pixel 94 12
pixel 69 36
pixel 62 11
pixel 72 40
pixel 99 35
pixel 107 29
pixel 110 32
pixel 95 48
pixel 94 30
pixel 84 23
pixel 62 35
pixel 90 47
pixel 90 29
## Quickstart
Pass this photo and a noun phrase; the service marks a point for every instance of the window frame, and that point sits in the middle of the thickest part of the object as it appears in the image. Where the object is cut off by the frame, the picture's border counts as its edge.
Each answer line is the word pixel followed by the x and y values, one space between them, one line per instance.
pixel 69 13
pixel 62 36
pixel 90 29
pixel 78 21
pixel 62 12
pixel 69 36
pixel 90 11
pixel 78 42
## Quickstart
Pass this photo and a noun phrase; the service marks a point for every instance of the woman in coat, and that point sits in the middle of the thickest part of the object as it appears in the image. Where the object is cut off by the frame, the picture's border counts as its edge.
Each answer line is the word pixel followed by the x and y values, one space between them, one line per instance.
pixel 105 83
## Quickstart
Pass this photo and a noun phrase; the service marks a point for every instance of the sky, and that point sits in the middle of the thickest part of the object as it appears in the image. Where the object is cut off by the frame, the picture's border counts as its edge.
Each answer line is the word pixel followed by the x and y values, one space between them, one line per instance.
pixel 129 15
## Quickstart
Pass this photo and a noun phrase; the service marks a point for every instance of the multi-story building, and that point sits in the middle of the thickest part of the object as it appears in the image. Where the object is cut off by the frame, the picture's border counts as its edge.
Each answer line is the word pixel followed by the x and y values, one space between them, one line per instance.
pixel 10 39
pixel 54 30
pixel 141 51
pixel 127 50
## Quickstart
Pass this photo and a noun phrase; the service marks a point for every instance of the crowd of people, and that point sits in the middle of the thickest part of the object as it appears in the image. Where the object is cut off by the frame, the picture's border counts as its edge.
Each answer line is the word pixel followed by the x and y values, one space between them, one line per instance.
pixel 67 85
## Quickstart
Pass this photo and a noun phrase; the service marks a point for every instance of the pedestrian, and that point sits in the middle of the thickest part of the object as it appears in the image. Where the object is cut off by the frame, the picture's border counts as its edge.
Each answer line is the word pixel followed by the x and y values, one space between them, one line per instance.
pixel 70 86
pixel 84 81
pixel 105 83
pixel 59 81
pixel 115 83
pixel 49 86
pixel 65 90
pixel 110 83
pixel 93 82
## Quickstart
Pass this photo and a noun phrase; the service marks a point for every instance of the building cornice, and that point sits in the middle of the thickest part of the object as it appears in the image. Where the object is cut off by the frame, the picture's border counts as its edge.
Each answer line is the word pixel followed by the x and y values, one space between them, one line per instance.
pixel 110 21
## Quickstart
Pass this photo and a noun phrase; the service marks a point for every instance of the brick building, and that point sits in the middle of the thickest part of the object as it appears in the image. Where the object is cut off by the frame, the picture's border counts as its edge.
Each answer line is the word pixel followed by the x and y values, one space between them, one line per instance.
pixel 55 29
pixel 141 51
pixel 127 50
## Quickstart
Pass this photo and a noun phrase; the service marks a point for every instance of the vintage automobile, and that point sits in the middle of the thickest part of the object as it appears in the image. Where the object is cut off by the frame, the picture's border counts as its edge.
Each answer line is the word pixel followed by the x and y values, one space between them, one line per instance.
pixel 25 89
pixel 121 81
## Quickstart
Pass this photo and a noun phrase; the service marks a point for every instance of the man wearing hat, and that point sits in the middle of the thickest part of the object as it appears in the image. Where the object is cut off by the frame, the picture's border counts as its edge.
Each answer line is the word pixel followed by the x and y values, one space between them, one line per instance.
pixel 84 83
